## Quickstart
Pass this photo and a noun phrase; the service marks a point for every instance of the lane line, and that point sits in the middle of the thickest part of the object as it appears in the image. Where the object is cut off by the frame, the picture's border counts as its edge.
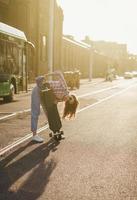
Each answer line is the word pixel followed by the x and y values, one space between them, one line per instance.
pixel 96 92
pixel 105 89
pixel 106 98
pixel 28 136
pixel 27 111
pixel 20 141
pixel 15 114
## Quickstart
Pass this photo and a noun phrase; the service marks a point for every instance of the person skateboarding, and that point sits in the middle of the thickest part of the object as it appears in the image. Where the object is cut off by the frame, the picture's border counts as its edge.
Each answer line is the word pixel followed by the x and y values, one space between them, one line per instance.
pixel 58 90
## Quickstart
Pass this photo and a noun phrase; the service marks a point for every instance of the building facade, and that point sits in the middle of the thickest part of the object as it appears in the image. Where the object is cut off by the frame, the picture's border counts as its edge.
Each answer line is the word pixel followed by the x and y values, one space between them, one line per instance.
pixel 80 55
pixel 32 17
pixel 75 55
pixel 117 55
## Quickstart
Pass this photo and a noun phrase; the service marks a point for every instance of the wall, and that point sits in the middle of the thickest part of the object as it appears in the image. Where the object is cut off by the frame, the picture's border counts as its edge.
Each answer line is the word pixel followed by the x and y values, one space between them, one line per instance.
pixel 32 17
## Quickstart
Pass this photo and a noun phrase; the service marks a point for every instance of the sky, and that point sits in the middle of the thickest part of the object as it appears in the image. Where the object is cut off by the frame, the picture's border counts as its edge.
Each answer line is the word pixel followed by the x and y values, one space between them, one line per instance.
pixel 108 20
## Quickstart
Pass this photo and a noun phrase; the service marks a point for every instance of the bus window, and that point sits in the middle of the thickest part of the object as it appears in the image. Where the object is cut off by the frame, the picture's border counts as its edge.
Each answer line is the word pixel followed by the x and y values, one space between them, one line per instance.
pixel 14 56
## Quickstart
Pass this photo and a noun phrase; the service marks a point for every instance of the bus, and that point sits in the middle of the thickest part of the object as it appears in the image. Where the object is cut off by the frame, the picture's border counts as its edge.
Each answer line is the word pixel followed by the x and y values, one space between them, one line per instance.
pixel 14 55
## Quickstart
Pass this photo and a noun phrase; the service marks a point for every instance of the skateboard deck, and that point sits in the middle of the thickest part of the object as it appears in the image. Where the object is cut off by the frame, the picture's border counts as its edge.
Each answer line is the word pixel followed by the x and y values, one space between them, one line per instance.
pixel 49 106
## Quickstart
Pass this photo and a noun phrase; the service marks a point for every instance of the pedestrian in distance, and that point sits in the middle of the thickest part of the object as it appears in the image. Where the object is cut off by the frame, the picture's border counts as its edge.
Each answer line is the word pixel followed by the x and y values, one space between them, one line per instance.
pixel 58 91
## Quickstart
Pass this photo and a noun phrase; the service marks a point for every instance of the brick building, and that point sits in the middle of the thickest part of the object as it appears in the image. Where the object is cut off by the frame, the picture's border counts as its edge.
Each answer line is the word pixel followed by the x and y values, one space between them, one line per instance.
pixel 115 54
pixel 32 17
pixel 75 55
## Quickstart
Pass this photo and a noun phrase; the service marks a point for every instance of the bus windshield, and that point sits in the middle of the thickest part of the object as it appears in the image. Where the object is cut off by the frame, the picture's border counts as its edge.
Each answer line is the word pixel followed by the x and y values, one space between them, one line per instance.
pixel 14 55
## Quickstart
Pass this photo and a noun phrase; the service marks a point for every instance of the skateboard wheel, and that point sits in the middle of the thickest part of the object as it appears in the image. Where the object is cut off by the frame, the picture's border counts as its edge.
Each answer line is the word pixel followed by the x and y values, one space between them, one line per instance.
pixel 50 134
pixel 55 137
pixel 59 137
pixel 62 132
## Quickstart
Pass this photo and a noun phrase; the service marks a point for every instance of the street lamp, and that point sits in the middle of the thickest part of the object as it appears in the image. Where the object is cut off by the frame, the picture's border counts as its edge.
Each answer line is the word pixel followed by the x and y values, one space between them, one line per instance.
pixel 51 36
pixel 90 62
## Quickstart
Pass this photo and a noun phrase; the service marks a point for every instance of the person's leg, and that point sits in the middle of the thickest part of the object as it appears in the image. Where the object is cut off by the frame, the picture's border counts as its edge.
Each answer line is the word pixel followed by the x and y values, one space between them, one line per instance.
pixel 35 112
pixel 37 138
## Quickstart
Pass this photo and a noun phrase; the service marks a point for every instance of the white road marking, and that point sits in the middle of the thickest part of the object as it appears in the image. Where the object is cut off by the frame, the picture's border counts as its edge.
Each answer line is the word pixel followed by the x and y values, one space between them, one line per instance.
pixel 27 111
pixel 106 98
pixel 28 136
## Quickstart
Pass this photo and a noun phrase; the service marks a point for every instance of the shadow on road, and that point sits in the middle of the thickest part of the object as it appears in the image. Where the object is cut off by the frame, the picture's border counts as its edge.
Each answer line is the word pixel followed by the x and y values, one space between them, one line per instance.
pixel 3 102
pixel 33 166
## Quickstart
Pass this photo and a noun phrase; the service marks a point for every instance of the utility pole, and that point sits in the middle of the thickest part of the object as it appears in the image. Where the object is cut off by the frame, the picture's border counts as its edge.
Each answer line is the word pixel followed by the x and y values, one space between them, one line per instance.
pixel 90 62
pixel 51 36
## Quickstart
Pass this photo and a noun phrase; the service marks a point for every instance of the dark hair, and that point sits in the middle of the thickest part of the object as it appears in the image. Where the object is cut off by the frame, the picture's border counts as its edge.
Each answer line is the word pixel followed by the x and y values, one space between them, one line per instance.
pixel 70 108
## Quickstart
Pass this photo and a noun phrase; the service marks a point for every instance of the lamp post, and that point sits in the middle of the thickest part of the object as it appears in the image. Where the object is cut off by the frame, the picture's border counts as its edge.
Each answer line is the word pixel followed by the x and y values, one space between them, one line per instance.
pixel 90 62
pixel 51 36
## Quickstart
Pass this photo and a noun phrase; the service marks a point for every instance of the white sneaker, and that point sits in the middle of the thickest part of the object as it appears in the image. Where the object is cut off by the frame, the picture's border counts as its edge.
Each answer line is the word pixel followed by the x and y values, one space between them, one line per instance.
pixel 38 139
pixel 62 136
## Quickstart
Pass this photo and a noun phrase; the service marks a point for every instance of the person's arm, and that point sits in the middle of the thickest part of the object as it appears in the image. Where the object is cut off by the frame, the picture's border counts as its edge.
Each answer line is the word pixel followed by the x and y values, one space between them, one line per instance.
pixel 64 85
pixel 59 76
pixel 35 109
pixel 62 79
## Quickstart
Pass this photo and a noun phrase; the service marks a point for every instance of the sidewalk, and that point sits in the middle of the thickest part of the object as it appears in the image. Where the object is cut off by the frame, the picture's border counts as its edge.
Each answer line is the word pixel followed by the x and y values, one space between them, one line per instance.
pixel 82 81
pixel 94 80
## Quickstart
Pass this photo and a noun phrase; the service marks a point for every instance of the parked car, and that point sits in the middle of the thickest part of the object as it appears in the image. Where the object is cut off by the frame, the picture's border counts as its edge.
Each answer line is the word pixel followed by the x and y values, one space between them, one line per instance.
pixel 7 87
pixel 128 75
pixel 134 73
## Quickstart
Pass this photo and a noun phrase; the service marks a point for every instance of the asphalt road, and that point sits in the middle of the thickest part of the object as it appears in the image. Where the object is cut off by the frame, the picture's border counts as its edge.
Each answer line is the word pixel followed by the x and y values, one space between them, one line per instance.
pixel 96 161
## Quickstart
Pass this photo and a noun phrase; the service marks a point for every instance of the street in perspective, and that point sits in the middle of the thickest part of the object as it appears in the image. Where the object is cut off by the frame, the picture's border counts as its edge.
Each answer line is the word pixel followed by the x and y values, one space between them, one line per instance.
pixel 68 100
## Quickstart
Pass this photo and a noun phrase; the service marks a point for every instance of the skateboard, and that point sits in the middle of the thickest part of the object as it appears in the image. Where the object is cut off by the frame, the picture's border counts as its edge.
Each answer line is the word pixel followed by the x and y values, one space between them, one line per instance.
pixel 51 111
pixel 57 135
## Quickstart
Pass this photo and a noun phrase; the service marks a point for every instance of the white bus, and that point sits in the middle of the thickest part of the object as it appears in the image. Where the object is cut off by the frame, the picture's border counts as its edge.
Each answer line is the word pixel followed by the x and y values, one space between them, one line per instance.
pixel 13 61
